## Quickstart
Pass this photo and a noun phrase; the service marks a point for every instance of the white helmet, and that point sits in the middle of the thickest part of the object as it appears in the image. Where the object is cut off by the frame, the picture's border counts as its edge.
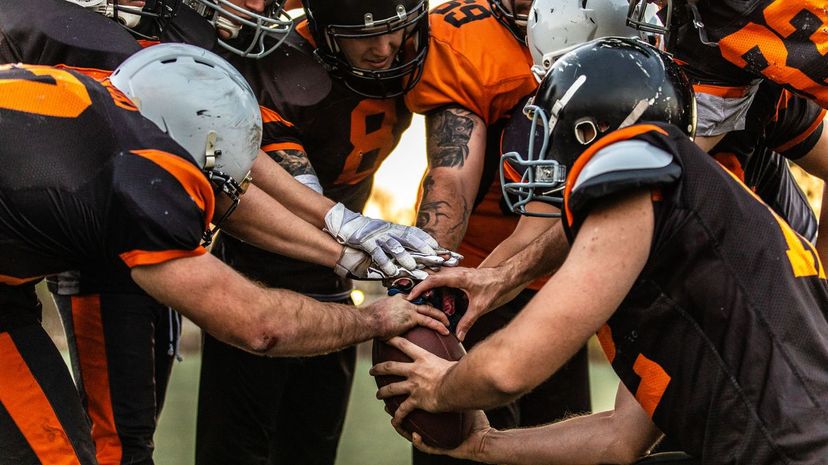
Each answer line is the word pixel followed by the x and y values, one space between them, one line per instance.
pixel 558 26
pixel 160 11
pixel 203 103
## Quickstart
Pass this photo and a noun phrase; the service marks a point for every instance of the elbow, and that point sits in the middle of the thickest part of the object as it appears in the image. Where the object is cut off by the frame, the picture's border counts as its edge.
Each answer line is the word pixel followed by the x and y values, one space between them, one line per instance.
pixel 261 338
pixel 625 445
pixel 506 381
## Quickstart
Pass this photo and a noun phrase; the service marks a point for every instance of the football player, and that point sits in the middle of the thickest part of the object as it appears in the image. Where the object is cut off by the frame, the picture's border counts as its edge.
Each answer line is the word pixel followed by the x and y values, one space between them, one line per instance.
pixel 711 309
pixel 338 78
pixel 132 189
pixel 140 335
pixel 476 73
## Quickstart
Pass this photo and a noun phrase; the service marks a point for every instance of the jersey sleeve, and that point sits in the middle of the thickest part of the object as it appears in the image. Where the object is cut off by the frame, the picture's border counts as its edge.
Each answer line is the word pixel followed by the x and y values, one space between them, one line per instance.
pixel 796 127
pixel 473 62
pixel 278 133
pixel 162 205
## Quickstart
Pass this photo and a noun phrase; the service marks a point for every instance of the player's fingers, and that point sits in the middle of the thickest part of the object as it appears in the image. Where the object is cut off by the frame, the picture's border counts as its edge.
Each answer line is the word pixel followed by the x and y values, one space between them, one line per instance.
pixel 453 259
pixel 393 247
pixel 418 442
pixel 407 347
pixel 432 312
pixel 403 410
pixel 431 282
pixel 383 262
pixel 391 368
pixel 399 429
pixel 401 388
pixel 465 324
pixel 431 323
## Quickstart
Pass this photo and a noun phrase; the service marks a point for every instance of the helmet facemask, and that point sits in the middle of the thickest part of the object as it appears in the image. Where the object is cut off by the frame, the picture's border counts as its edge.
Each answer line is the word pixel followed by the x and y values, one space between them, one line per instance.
pixel 407 65
pixel 249 34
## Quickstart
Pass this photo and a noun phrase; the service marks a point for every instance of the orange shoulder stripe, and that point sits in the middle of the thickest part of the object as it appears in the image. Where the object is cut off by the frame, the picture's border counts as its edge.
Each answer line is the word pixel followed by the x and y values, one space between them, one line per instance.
pixel 271 116
pixel 15 281
pixel 191 178
pixel 654 381
pixel 24 399
pixel 584 158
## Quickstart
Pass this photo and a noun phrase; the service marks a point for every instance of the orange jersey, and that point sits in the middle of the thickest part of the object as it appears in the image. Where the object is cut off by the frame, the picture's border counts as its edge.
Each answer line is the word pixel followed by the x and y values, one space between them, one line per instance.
pixel 475 62
pixel 781 40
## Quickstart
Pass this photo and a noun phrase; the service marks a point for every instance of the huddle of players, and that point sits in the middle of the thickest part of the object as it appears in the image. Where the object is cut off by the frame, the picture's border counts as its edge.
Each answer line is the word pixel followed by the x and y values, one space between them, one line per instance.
pixel 309 88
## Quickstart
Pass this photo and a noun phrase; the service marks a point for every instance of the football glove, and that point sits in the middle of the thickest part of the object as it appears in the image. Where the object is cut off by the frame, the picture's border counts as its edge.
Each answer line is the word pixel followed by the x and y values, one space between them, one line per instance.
pixel 385 241
pixel 356 264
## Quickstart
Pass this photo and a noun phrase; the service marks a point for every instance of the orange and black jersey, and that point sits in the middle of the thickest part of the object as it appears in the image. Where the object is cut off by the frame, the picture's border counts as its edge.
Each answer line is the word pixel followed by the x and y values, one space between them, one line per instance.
pixel 88 180
pixel 723 338
pixel 475 62
pixel 52 32
pixel 345 136
pixel 781 40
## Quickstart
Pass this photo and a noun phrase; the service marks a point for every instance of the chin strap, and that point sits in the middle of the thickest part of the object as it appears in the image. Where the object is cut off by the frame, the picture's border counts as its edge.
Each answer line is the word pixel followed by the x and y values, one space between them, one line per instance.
pixel 231 189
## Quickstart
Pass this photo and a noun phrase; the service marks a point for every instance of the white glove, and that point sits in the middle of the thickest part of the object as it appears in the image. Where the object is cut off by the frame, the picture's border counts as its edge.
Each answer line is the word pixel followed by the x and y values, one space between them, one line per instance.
pixel 354 263
pixel 381 239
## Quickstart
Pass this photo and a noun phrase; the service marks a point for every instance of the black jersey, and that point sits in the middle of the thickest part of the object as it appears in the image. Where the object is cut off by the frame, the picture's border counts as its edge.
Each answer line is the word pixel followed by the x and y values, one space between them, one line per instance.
pixel 89 181
pixel 51 32
pixel 723 338
pixel 346 137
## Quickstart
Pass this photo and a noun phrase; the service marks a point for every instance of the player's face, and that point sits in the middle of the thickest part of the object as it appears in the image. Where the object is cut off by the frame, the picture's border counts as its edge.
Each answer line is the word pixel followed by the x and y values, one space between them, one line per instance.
pixel 376 52
pixel 256 6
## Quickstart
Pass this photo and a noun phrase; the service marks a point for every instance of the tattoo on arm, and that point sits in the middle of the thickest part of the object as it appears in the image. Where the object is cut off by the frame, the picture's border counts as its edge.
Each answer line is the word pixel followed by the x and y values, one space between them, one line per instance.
pixel 294 162
pixel 449 132
pixel 433 213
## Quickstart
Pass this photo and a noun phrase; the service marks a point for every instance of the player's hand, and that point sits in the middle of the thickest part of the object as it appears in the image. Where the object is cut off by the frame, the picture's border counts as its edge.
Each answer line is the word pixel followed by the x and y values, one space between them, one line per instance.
pixel 384 241
pixel 470 449
pixel 356 264
pixel 481 285
pixel 422 378
pixel 395 315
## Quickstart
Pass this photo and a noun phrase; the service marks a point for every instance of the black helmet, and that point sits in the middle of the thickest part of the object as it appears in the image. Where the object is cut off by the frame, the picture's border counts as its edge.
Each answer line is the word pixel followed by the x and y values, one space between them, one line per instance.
pixel 597 88
pixel 333 20
pixel 516 23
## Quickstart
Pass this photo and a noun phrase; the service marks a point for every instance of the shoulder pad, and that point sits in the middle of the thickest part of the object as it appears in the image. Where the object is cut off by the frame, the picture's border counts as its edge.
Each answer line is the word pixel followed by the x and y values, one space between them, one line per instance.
pixel 622 166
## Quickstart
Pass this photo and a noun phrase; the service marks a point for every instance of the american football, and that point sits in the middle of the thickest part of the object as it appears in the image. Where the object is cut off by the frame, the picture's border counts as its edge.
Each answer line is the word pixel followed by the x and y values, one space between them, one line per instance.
pixel 443 430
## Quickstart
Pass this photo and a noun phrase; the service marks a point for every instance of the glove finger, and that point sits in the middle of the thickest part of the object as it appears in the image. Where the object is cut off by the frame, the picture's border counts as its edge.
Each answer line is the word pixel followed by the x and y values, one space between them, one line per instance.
pixel 399 253
pixel 416 243
pixel 428 260
pixel 454 257
pixel 419 275
pixel 383 262
pixel 424 236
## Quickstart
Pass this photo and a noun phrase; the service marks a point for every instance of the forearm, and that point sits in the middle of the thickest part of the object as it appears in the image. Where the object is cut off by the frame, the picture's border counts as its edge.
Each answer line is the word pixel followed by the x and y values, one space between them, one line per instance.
pixel 517 263
pixel 280 184
pixel 267 224
pixel 455 146
pixel 586 440
pixel 444 209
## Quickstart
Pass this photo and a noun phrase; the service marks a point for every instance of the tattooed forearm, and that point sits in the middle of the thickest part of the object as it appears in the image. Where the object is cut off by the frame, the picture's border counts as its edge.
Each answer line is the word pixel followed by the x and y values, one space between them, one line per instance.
pixel 294 162
pixel 445 221
pixel 449 132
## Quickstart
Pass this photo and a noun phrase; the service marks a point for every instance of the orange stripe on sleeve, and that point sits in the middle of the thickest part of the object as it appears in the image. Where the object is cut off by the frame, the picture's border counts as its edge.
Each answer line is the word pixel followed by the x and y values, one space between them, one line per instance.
pixel 146 257
pixel 607 344
pixel 191 178
pixel 15 281
pixel 86 318
pixel 721 91
pixel 654 381
pixel 801 137
pixel 283 146
pixel 584 158
pixel 27 404
pixel 270 116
